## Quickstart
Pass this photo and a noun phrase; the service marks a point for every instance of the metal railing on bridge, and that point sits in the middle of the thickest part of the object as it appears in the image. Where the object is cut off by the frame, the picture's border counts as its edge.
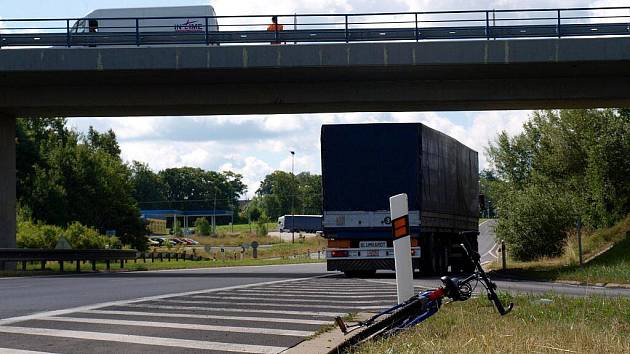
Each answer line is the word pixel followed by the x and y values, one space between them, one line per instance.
pixel 319 28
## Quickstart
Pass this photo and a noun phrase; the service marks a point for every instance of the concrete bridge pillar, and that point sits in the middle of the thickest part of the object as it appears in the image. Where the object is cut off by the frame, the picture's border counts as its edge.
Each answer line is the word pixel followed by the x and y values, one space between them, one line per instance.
pixel 7 184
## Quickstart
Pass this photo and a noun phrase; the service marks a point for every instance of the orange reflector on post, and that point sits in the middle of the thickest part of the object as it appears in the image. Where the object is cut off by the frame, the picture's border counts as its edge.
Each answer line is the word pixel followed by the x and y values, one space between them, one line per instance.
pixel 400 226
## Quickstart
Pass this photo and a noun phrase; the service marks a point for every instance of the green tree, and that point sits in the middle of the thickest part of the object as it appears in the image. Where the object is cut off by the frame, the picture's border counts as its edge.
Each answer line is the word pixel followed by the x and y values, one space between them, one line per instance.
pixel 254 213
pixel 489 186
pixel 148 187
pixel 189 188
pixel 577 156
pixel 310 193
pixel 66 177
pixel 279 191
pixel 533 222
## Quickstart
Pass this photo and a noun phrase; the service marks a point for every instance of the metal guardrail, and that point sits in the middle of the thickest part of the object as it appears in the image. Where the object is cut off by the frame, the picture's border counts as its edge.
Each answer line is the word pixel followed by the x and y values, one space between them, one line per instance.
pixel 325 28
pixel 42 255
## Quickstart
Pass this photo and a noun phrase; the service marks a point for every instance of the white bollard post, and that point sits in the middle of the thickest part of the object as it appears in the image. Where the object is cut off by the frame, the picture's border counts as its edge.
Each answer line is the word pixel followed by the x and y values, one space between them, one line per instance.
pixel 399 207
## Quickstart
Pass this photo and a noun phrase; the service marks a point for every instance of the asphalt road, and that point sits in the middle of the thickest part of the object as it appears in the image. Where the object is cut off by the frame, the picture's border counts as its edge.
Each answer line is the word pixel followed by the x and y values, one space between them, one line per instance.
pixel 235 310
pixel 487 244
pixel 27 295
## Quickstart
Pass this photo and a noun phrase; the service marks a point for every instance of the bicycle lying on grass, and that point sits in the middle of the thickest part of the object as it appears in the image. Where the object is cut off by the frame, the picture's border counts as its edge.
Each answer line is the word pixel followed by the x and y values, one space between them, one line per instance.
pixel 426 304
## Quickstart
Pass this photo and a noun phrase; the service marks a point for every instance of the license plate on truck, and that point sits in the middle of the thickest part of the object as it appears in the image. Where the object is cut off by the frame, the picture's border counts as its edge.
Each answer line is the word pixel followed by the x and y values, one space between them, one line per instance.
pixel 372 253
pixel 372 244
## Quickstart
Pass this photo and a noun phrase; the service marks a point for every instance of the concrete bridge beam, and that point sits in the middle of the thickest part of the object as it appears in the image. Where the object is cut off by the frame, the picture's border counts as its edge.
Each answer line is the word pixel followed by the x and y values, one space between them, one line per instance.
pixel 7 185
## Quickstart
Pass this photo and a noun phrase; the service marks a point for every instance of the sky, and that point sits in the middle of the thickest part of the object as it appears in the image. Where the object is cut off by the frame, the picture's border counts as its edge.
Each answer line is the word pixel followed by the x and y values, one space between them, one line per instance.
pixel 257 145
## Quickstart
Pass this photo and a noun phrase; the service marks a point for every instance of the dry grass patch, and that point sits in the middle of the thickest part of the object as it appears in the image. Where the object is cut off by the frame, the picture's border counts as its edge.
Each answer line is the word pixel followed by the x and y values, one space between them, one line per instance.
pixel 612 266
pixel 567 325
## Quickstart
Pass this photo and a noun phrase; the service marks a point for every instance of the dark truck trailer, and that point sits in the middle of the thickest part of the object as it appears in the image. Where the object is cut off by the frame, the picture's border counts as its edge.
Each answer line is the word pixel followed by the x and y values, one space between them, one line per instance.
pixel 365 164
pixel 297 223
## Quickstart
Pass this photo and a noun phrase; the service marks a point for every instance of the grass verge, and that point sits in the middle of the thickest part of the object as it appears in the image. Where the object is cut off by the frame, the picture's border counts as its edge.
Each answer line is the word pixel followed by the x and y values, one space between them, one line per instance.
pixel 566 325
pixel 612 266
pixel 277 249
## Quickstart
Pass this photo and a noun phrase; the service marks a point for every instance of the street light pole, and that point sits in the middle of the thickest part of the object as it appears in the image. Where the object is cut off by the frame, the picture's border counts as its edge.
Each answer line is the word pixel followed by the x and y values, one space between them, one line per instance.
pixel 214 213
pixel 293 197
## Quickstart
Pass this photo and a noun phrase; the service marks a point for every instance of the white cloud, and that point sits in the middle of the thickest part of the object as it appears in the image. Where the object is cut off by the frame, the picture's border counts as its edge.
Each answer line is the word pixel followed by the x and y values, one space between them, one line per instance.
pixel 252 169
pixel 144 138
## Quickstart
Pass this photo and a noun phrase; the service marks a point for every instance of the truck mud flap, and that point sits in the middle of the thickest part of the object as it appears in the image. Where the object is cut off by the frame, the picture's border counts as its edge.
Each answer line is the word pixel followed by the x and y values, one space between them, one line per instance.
pixel 365 264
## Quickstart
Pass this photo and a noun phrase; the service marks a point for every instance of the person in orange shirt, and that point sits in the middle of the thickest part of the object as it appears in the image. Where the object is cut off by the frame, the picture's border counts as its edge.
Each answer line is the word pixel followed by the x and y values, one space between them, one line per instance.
pixel 275 27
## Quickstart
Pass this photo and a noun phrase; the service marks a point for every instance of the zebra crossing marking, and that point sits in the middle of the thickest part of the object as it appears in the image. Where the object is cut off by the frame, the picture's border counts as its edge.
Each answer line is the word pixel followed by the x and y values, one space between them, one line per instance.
pixel 135 339
pixel 235 329
pixel 209 317
pixel 292 299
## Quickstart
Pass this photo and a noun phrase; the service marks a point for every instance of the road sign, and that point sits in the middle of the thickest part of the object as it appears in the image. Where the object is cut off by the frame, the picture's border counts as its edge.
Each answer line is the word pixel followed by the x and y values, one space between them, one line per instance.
pixel 399 206
pixel 255 244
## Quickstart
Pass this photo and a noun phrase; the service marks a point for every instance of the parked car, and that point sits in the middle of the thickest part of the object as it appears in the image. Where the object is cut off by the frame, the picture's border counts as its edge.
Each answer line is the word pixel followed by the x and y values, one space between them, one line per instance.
pixel 190 241
pixel 157 241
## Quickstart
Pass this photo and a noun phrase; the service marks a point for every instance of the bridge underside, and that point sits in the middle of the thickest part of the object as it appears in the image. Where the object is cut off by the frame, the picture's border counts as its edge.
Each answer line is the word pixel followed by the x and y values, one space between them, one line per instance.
pixel 192 93
pixel 426 76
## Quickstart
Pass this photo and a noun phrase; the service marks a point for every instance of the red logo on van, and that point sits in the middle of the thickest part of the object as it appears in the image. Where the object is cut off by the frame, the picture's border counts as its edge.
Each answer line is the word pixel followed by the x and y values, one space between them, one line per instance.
pixel 189 26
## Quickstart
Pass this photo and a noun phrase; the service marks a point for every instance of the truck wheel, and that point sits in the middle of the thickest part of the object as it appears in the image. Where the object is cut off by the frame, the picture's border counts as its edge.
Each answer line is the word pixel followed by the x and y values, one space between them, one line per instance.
pixel 440 259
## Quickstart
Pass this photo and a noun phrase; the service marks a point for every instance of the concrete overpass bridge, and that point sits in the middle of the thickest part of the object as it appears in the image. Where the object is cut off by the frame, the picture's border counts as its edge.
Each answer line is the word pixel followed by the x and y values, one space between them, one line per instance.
pixel 413 73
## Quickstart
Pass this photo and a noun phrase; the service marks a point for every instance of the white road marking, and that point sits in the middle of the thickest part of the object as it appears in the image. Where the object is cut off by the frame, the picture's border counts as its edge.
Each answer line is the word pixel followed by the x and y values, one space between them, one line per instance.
pixel 333 282
pixel 209 317
pixel 365 290
pixel 12 320
pixel 416 287
pixel 258 304
pixel 272 298
pixel 127 338
pixel 496 245
pixel 223 309
pixel 338 297
pixel 189 326
pixel 327 287
pixel 320 292
pixel 18 351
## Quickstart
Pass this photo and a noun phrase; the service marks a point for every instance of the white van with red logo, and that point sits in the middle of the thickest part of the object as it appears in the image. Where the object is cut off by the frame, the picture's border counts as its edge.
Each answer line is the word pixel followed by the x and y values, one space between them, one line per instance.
pixel 149 23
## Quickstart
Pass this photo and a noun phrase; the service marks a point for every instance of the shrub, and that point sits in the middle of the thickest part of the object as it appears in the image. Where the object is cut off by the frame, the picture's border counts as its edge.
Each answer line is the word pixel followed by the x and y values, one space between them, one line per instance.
pixel 38 235
pixel 534 222
pixel 83 237
pixel 35 235
pixel 261 226
pixel 202 227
